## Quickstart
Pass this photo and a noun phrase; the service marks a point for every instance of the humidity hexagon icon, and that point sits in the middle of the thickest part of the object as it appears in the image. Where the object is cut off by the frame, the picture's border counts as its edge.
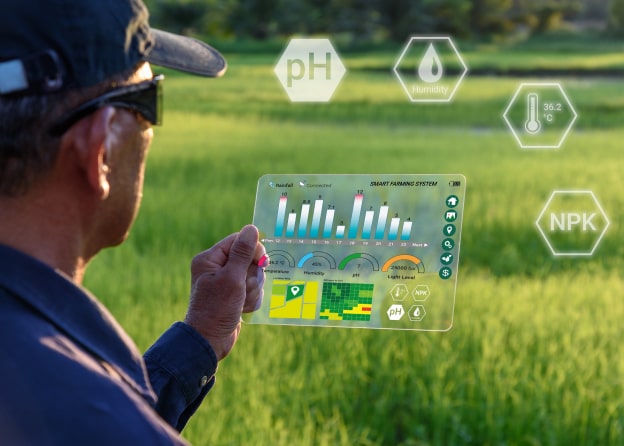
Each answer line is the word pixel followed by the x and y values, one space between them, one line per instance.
pixel 417 313
pixel 430 69
pixel 572 223
pixel 309 70
pixel 540 115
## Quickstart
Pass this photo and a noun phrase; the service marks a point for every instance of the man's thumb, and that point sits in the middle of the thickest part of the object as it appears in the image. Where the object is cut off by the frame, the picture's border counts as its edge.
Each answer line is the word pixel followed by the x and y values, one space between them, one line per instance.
pixel 243 248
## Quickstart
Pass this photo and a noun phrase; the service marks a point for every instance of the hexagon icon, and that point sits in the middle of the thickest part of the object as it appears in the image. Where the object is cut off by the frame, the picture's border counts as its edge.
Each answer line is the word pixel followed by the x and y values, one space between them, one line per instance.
pixel 430 69
pixel 309 70
pixel 417 313
pixel 540 115
pixel 395 312
pixel 572 223
pixel 421 292
pixel 399 291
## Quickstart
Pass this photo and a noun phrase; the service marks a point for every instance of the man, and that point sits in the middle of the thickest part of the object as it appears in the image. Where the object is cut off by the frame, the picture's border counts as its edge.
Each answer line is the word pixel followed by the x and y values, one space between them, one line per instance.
pixel 77 103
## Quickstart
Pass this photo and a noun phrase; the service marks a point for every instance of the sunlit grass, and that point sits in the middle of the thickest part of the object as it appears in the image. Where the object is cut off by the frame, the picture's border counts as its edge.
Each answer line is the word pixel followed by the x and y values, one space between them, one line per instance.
pixel 534 356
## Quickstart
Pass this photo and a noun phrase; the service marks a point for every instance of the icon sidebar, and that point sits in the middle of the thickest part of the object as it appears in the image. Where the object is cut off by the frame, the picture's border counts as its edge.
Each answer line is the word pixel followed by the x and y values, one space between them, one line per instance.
pixel 449 229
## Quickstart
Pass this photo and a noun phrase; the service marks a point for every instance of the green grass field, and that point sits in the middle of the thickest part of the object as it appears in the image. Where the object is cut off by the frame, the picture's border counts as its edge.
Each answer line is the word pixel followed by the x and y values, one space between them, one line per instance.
pixel 535 353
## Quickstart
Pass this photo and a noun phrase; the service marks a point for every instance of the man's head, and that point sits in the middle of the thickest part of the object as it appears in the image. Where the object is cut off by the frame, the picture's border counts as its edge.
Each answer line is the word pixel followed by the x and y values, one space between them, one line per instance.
pixel 57 54
pixel 77 102
pixel 52 45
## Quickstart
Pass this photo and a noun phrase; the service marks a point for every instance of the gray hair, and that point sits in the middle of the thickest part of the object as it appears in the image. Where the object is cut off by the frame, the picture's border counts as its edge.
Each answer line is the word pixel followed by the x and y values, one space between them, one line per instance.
pixel 27 150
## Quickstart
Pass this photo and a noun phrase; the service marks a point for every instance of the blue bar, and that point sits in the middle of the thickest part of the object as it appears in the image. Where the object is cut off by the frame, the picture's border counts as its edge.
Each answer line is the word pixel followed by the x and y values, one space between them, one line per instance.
pixel 303 221
pixel 290 227
pixel 329 222
pixel 394 228
pixel 340 231
pixel 407 230
pixel 355 216
pixel 281 213
pixel 381 222
pixel 316 218
pixel 368 224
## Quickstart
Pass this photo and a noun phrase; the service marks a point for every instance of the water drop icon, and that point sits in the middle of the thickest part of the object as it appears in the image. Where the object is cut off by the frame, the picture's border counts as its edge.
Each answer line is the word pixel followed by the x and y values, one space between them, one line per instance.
pixel 430 69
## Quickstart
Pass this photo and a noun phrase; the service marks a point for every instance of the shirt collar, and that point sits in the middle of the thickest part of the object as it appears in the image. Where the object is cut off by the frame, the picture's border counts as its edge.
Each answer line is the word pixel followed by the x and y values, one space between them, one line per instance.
pixel 75 312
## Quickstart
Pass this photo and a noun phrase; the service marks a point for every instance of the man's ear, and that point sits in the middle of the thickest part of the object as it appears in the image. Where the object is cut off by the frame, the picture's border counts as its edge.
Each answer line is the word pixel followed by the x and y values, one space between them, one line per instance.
pixel 93 139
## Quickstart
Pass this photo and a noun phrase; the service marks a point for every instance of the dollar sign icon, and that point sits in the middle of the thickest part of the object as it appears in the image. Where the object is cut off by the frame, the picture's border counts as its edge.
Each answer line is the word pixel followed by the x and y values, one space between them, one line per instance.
pixel 445 272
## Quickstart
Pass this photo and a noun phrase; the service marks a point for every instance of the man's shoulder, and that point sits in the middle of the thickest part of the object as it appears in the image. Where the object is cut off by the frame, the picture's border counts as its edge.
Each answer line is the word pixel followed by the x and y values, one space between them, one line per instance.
pixel 21 325
pixel 69 374
pixel 55 392
pixel 40 364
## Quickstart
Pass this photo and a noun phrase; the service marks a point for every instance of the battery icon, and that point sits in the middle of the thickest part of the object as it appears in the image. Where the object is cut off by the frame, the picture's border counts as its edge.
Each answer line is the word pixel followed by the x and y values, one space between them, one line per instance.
pixel 455 183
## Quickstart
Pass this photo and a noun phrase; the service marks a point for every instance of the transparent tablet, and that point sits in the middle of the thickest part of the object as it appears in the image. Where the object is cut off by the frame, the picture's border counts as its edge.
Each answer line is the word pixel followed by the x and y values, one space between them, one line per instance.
pixel 368 251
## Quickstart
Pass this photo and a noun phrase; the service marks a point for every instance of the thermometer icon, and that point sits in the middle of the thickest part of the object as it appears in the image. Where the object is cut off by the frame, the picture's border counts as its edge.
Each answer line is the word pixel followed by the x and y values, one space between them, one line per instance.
pixel 532 125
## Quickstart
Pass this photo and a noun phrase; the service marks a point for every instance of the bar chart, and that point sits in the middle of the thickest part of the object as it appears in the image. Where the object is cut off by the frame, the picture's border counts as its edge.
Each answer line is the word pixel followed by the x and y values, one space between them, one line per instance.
pixel 316 219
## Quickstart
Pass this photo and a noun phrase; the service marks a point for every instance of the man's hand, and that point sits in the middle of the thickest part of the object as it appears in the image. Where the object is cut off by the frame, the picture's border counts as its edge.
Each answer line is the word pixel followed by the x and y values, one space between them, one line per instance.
pixel 225 282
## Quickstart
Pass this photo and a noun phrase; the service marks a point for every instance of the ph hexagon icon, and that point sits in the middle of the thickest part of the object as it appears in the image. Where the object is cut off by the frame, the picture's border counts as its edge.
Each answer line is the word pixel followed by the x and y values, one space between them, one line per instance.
pixel 572 223
pixel 309 70
pixel 395 312
pixel 540 115
pixel 430 69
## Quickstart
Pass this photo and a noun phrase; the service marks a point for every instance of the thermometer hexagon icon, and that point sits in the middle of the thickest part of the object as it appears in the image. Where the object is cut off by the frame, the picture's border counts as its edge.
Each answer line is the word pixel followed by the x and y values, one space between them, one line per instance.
pixel 532 124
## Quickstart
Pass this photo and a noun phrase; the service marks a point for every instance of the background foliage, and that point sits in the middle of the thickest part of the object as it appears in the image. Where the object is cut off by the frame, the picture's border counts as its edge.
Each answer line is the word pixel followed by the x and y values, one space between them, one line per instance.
pixel 535 354
pixel 365 21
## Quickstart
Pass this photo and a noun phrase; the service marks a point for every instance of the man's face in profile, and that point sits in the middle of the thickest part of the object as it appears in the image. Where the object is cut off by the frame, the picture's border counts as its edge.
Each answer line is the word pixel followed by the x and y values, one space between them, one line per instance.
pixel 128 142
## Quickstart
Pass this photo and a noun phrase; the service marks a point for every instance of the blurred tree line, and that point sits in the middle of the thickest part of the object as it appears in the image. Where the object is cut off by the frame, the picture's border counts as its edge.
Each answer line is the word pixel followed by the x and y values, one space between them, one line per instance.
pixel 376 20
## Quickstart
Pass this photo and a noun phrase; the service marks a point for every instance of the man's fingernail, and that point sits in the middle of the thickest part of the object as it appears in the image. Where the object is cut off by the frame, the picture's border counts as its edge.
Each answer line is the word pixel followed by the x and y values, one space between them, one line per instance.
pixel 264 261
pixel 249 234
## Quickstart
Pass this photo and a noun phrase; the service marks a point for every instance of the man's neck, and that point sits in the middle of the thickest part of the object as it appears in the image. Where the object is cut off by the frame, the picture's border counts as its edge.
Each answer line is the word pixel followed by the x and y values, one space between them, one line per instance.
pixel 45 230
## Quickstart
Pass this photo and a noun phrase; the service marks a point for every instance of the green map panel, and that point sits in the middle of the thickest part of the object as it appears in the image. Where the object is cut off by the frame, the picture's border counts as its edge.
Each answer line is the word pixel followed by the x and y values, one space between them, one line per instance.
pixel 347 301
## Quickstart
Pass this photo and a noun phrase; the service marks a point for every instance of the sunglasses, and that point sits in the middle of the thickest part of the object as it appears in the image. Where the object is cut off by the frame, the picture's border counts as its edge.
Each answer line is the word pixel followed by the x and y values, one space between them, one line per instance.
pixel 144 98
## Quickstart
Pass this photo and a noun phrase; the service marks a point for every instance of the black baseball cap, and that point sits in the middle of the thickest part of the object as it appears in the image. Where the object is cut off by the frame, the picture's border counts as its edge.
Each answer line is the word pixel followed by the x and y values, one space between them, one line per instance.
pixel 51 45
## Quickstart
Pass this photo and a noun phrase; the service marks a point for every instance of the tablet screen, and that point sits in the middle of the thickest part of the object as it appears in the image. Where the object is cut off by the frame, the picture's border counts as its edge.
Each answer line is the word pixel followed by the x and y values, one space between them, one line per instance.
pixel 368 251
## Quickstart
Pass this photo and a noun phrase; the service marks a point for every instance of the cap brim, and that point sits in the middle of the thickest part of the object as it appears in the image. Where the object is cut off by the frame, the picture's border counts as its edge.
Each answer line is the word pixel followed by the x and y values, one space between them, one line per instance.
pixel 185 54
